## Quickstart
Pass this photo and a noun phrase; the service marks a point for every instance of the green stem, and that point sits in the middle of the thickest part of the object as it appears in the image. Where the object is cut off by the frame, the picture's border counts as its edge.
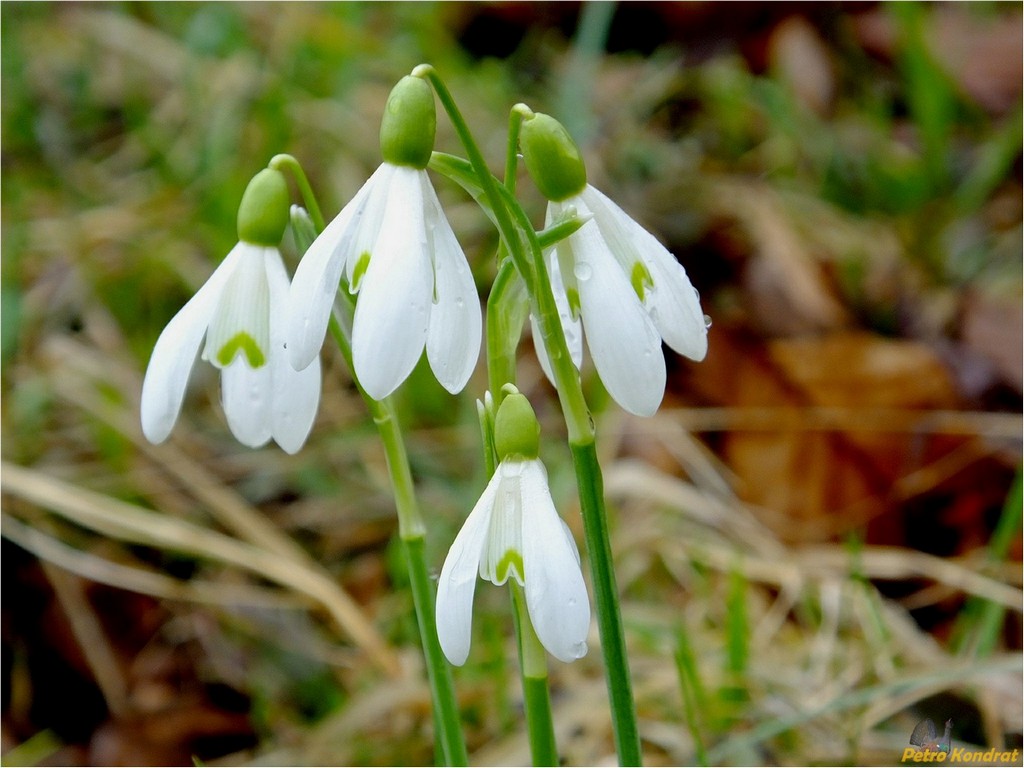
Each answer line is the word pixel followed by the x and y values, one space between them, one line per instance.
pixel 606 596
pixel 536 696
pixel 515 123
pixel 507 305
pixel 411 529
pixel 282 162
pixel 490 188
pixel 590 485
pixel 439 676
pixel 525 250
pixel 506 308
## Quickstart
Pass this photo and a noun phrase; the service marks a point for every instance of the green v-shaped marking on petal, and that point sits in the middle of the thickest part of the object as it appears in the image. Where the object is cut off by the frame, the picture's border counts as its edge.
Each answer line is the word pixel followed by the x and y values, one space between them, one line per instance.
pixel 510 561
pixel 241 342
pixel 640 279
pixel 362 264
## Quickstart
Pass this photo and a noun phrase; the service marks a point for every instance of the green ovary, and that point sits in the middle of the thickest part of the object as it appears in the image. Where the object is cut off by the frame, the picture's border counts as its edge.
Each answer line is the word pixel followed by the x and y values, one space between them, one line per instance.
pixel 241 342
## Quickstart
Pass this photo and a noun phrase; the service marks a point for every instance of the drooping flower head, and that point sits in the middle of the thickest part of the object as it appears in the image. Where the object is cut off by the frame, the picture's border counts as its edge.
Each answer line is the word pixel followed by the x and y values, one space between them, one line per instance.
pixel 396 249
pixel 239 311
pixel 613 275
pixel 515 532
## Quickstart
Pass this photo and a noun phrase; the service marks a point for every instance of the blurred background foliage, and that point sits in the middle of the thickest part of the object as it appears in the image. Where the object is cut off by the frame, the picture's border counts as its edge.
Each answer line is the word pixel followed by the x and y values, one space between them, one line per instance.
pixel 818 538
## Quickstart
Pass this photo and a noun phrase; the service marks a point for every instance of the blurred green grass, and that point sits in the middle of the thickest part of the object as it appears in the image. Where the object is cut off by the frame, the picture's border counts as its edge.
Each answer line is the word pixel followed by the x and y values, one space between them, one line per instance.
pixel 129 131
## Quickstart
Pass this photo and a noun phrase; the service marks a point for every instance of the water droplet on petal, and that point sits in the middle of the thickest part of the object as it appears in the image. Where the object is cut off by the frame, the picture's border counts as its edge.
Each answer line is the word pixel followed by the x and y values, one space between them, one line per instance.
pixel 696 294
pixel 707 321
pixel 583 271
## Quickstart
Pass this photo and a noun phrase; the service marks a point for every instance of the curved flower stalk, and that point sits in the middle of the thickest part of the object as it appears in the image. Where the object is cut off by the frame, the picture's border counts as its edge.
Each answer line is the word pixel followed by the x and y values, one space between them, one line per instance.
pixel 397 250
pixel 239 311
pixel 627 289
pixel 515 532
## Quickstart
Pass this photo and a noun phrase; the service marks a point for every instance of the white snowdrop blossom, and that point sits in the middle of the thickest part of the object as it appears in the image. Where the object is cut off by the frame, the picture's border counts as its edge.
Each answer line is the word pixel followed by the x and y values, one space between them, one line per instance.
pixel 398 252
pixel 239 311
pixel 515 532
pixel 611 275
pixel 629 292
pixel 415 289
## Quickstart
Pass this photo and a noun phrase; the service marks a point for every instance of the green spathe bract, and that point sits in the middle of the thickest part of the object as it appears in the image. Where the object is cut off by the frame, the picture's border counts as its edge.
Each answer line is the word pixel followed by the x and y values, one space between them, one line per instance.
pixel 409 123
pixel 263 213
pixel 552 157
pixel 516 431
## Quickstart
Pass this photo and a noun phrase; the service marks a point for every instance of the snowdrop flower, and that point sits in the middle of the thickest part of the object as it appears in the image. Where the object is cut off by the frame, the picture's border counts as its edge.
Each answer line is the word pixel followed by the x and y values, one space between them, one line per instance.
pixel 397 250
pixel 613 275
pixel 515 532
pixel 239 312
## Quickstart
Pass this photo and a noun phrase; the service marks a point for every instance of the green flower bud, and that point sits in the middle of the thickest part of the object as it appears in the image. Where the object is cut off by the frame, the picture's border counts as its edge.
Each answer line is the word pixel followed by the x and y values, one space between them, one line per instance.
pixel 552 157
pixel 263 213
pixel 516 431
pixel 409 123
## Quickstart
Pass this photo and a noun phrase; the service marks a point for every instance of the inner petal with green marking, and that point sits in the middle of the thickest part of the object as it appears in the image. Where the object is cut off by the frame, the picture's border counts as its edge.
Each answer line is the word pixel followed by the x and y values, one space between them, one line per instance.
pixel 640 279
pixel 362 263
pixel 243 343
pixel 513 561
pixel 241 322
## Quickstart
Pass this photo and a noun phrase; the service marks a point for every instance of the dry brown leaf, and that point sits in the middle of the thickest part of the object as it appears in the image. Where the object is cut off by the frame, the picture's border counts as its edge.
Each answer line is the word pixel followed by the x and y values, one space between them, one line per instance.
pixel 787 290
pixel 835 478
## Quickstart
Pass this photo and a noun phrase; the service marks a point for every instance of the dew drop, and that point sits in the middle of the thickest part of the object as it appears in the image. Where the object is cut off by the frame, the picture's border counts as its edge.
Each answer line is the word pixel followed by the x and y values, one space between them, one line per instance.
pixel 707 321
pixel 583 271
pixel 696 294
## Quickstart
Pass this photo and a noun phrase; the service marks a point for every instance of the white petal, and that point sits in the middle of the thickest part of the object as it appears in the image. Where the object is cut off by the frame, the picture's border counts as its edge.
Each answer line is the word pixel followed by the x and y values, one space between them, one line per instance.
pixel 296 394
pixel 570 325
pixel 453 336
pixel 676 307
pixel 672 301
pixel 174 353
pixel 247 395
pixel 556 595
pixel 366 228
pixel 505 535
pixel 240 326
pixel 457 582
pixel 389 330
pixel 316 280
pixel 622 339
